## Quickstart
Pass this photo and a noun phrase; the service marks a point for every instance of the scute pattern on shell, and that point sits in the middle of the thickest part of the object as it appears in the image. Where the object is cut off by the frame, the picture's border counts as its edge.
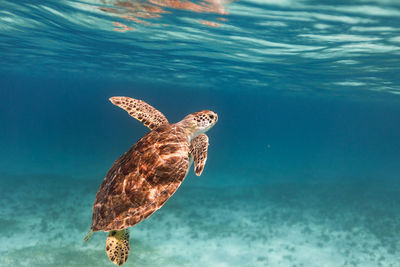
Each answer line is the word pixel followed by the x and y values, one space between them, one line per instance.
pixel 142 179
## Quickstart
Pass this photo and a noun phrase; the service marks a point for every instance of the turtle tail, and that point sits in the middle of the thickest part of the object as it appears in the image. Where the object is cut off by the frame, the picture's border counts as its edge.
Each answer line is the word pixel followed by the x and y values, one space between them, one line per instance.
pixel 117 246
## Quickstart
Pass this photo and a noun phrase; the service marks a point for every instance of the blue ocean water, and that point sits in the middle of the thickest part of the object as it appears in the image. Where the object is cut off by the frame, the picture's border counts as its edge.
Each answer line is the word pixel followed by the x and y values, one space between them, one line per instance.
pixel 303 164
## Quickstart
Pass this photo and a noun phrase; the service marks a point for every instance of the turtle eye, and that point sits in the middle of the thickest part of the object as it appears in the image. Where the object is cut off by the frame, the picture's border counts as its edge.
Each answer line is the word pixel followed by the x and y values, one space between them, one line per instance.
pixel 211 116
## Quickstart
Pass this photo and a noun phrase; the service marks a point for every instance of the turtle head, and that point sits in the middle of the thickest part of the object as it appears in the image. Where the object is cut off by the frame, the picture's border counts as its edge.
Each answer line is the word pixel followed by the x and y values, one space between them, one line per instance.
pixel 199 122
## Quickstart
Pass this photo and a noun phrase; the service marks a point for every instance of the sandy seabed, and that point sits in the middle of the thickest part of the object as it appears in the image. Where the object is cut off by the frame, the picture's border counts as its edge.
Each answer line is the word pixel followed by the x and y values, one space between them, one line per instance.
pixel 44 219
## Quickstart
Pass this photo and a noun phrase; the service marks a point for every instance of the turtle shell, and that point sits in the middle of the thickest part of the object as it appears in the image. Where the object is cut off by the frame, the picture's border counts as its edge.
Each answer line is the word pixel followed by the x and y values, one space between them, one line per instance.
pixel 142 179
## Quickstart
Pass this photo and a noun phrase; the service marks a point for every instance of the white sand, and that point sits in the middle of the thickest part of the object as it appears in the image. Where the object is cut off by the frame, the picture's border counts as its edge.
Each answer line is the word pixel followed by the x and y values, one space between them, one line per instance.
pixel 46 218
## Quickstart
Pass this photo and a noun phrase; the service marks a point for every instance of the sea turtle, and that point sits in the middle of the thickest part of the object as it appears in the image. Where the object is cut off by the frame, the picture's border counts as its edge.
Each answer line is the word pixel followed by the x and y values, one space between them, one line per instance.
pixel 149 173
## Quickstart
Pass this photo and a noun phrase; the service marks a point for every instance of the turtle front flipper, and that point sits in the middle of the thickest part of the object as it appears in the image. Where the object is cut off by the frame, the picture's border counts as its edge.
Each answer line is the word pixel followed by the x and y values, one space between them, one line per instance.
pixel 140 110
pixel 198 150
pixel 117 246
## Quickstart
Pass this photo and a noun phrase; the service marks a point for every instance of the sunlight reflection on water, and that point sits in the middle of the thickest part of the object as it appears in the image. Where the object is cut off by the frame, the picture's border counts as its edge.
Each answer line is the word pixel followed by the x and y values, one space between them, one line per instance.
pixel 138 11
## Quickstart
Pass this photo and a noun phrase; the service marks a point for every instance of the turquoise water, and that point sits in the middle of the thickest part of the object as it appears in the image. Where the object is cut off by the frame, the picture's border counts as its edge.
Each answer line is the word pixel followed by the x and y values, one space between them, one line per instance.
pixel 303 164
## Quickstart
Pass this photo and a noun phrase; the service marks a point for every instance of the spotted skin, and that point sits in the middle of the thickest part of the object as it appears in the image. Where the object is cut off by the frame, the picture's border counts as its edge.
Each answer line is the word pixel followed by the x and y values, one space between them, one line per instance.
pixel 117 246
pixel 140 110
pixel 198 151
pixel 142 179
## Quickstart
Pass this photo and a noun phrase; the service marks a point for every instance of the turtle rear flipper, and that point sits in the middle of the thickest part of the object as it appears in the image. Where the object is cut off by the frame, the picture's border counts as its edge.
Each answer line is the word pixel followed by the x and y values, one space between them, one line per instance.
pixel 117 246
pixel 88 236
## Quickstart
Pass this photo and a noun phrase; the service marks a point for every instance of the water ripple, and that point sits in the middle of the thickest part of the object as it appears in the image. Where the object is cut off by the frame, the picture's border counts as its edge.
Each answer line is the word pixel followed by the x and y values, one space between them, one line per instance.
pixel 251 44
